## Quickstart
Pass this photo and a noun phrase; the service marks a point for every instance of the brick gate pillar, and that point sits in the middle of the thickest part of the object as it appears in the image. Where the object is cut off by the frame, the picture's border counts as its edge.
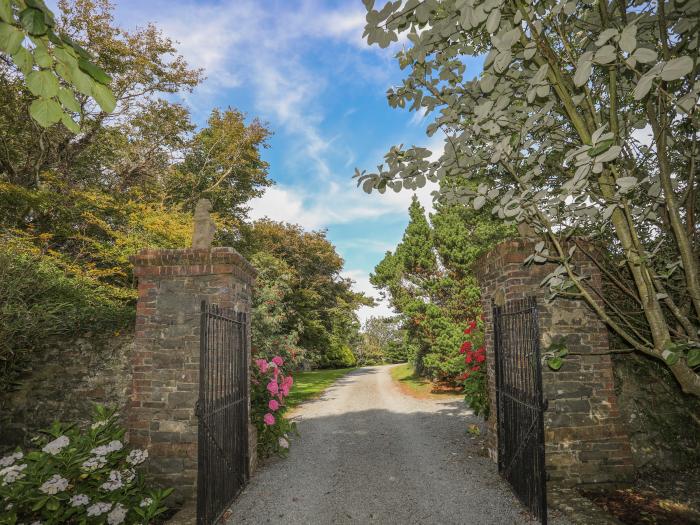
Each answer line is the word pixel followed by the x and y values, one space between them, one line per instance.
pixel 165 360
pixel 585 440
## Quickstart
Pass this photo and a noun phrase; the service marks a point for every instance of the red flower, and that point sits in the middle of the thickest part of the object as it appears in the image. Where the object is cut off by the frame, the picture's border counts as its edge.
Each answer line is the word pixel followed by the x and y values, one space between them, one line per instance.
pixel 472 325
pixel 476 368
pixel 480 358
pixel 466 347
pixel 467 331
pixel 468 359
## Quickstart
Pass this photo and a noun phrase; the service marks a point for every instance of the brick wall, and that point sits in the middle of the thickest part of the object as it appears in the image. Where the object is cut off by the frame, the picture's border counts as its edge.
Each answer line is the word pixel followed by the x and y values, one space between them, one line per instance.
pixel 165 359
pixel 585 439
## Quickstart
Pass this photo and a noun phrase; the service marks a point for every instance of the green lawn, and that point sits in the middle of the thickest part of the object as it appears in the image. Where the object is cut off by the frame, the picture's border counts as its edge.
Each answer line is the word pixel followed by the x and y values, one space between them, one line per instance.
pixel 308 385
pixel 406 377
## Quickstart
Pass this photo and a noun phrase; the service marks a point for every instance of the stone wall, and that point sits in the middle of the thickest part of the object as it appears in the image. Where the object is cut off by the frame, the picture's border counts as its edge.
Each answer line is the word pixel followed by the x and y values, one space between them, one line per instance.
pixel 663 423
pixel 63 382
pixel 585 439
pixel 165 360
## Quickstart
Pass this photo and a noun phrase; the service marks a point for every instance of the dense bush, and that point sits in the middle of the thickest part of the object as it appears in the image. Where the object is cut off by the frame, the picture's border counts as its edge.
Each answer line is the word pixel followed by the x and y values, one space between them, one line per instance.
pixel 78 475
pixel 41 302
pixel 270 386
pixel 338 355
pixel 475 386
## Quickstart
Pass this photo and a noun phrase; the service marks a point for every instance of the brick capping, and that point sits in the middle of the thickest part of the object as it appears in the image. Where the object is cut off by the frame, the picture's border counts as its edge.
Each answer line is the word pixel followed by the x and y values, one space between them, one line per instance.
pixel 585 438
pixel 191 261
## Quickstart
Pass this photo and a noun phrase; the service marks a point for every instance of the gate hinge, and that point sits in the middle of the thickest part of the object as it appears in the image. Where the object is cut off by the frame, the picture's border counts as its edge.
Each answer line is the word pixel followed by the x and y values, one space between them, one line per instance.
pixel 198 408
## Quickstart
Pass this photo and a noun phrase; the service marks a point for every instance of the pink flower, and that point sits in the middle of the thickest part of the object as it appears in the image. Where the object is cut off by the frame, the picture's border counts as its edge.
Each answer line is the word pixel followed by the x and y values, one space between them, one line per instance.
pixel 273 387
pixel 278 360
pixel 269 419
pixel 289 381
pixel 275 371
pixel 262 365
pixel 285 390
pixel 273 404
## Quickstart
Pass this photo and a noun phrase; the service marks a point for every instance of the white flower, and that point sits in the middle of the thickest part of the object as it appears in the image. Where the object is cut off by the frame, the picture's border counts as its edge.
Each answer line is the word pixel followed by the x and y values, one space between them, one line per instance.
pixel 56 445
pixel 12 473
pixel 114 483
pixel 103 450
pixel 9 460
pixel 9 506
pixel 94 463
pixel 79 500
pixel 283 442
pixel 54 485
pixel 98 424
pixel 98 508
pixel 117 515
pixel 146 502
pixel 137 456
pixel 129 475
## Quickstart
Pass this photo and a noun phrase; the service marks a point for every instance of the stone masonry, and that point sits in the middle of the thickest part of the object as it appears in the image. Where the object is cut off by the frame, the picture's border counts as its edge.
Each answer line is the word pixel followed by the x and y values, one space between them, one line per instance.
pixel 585 440
pixel 165 360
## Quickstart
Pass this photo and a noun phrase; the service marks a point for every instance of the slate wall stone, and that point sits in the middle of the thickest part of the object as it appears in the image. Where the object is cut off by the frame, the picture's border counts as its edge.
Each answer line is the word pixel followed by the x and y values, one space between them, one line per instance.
pixel 165 360
pixel 585 439
pixel 63 382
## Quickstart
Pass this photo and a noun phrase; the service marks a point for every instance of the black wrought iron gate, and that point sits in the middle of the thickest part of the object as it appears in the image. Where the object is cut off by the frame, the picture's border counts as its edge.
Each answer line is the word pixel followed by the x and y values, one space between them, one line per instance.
pixel 520 405
pixel 222 410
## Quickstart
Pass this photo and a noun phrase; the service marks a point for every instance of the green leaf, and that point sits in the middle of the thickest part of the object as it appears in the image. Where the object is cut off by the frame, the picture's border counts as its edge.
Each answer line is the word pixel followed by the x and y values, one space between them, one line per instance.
pixel 644 55
pixel 643 86
pixel 70 124
pixel 583 73
pixel 555 363
pixel 76 47
pixel 493 21
pixel 693 358
pixel 68 100
pixel 23 59
pixel 10 38
pixel 42 83
pixel 605 54
pixel 670 357
pixel 6 11
pixel 104 97
pixel 677 68
pixel 45 111
pixel 33 21
pixel 94 71
pixel 42 57
pixel 628 38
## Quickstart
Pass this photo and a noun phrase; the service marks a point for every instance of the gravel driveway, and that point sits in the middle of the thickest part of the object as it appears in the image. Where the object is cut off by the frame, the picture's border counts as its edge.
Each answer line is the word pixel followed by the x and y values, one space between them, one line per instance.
pixel 370 454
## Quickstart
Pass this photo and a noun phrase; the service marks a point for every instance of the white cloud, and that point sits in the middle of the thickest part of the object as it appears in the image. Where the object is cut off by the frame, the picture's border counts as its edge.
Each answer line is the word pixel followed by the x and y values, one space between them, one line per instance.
pixel 362 284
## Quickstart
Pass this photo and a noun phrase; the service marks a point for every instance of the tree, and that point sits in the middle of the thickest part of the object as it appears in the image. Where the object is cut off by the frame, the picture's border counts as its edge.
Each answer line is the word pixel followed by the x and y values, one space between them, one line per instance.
pixel 142 66
pixel 63 68
pixel 382 341
pixel 415 281
pixel 319 304
pixel 549 135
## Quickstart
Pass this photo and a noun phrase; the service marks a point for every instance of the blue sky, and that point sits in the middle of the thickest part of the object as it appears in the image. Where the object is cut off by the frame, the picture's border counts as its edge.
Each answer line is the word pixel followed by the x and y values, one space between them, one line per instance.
pixel 302 67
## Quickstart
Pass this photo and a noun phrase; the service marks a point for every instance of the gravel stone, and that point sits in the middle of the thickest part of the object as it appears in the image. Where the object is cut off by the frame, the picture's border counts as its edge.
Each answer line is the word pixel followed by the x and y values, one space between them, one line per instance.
pixel 370 454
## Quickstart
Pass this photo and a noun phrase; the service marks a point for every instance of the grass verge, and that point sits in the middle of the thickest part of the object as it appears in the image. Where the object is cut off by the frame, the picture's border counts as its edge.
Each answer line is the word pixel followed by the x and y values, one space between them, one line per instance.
pixel 415 386
pixel 308 385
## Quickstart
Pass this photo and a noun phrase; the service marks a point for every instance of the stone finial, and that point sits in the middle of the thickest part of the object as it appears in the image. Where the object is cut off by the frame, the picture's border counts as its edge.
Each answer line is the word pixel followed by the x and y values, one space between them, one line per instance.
pixel 204 227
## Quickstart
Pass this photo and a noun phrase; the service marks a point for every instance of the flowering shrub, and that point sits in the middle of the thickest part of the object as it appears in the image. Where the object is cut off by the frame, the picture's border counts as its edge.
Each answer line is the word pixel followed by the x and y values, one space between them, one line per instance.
pixel 270 385
pixel 475 388
pixel 78 476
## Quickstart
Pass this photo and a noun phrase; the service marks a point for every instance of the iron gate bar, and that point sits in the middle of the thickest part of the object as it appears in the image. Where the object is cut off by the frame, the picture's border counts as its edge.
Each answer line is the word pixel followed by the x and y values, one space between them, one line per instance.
pixel 519 403
pixel 222 410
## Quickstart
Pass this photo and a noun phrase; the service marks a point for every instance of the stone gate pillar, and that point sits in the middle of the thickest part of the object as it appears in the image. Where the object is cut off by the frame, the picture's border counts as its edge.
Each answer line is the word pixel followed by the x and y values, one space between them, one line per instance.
pixel 165 361
pixel 585 440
